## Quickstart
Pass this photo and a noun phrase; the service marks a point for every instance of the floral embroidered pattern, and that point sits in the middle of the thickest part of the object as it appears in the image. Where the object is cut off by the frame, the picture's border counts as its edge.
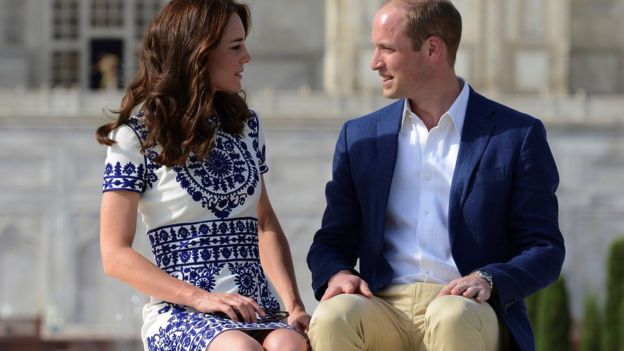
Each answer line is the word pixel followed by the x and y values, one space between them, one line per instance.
pixel 205 242
pixel 193 331
pixel 254 133
pixel 137 123
pixel 224 180
pixel 129 176
pixel 199 252
pixel 123 177
pixel 246 277
pixel 229 175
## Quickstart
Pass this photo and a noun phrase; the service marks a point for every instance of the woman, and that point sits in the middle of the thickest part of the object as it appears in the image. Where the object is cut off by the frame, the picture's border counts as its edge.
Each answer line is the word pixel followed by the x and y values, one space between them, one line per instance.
pixel 188 154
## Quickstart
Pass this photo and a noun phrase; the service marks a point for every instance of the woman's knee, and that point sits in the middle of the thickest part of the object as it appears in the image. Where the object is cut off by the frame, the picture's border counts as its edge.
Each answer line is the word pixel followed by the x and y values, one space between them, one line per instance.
pixel 234 340
pixel 284 340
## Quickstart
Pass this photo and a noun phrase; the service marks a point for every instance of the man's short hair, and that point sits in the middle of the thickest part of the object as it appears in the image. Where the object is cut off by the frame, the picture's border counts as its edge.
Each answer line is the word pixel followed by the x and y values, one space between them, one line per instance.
pixel 426 18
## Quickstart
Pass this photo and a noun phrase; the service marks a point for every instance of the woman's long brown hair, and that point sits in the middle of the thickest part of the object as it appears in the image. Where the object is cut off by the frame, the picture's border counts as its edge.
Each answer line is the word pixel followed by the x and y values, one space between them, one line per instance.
pixel 173 86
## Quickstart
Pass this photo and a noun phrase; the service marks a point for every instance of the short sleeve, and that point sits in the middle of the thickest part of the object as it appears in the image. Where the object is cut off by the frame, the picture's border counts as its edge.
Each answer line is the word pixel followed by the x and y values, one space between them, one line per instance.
pixel 259 144
pixel 125 164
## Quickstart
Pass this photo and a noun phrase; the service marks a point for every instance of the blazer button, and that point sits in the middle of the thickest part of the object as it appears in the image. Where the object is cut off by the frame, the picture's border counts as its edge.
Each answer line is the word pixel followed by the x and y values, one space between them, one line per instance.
pixel 378 252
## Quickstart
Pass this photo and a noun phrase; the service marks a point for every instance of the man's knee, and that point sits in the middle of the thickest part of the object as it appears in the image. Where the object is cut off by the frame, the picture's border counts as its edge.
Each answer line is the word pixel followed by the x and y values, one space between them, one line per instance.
pixel 453 310
pixel 352 322
pixel 340 309
pixel 456 320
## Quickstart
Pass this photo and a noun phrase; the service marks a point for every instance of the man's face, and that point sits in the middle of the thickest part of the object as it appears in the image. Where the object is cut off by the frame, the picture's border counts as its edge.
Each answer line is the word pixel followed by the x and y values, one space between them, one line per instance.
pixel 403 71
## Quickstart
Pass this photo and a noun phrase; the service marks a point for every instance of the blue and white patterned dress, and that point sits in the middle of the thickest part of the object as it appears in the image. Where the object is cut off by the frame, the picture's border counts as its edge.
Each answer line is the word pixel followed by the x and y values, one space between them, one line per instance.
pixel 202 223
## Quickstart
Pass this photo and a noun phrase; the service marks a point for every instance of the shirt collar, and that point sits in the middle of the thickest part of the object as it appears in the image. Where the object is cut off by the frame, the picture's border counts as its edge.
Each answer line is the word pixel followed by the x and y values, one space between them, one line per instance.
pixel 457 111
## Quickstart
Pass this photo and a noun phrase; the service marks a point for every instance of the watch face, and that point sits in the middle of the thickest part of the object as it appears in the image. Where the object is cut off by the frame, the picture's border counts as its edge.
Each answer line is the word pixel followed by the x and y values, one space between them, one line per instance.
pixel 487 276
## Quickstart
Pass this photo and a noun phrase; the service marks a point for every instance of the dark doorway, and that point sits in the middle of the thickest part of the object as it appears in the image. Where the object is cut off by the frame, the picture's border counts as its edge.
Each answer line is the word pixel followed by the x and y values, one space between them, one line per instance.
pixel 105 64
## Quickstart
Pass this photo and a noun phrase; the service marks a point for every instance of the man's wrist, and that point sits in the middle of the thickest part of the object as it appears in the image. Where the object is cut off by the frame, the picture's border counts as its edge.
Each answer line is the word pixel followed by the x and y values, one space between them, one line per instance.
pixel 485 276
pixel 344 271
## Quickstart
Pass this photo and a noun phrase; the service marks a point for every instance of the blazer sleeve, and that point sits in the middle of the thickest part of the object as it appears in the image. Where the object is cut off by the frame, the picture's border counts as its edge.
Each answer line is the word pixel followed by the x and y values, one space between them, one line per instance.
pixel 537 243
pixel 335 246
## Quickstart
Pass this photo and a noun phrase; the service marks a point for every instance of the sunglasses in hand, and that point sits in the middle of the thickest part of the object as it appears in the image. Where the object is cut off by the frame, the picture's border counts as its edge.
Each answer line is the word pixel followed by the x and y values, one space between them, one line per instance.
pixel 271 316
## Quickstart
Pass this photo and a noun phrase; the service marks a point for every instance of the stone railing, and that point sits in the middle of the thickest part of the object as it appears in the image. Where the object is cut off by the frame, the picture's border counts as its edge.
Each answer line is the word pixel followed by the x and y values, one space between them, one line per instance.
pixel 310 105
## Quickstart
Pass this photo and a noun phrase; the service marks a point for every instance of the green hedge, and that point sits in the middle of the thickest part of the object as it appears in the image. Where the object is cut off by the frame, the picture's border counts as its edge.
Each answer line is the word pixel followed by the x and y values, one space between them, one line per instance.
pixel 613 319
pixel 592 326
pixel 552 330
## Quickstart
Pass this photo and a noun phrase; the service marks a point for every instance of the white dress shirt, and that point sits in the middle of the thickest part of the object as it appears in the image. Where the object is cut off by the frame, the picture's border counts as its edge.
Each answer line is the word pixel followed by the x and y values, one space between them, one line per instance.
pixel 417 241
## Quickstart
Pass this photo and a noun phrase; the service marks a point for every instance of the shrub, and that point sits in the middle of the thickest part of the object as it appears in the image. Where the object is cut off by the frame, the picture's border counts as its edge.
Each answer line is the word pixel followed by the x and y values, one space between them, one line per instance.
pixel 615 297
pixel 552 332
pixel 591 327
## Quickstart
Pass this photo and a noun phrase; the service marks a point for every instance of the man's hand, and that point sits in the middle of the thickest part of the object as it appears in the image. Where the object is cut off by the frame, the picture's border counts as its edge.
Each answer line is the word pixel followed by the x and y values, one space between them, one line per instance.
pixel 345 282
pixel 470 286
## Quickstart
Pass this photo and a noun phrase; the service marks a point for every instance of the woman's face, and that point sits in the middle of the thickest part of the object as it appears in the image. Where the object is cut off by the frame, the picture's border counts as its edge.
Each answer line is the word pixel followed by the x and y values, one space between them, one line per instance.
pixel 228 58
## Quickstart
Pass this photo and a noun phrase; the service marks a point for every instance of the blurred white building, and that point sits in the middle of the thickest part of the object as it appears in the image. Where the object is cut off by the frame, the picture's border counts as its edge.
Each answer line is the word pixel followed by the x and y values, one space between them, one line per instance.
pixel 62 62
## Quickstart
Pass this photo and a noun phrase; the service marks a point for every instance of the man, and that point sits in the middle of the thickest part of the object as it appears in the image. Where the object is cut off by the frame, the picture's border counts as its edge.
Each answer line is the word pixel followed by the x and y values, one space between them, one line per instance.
pixel 446 198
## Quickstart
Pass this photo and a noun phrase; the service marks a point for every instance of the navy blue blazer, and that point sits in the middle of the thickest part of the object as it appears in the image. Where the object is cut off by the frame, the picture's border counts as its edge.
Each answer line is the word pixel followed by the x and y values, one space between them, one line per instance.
pixel 503 212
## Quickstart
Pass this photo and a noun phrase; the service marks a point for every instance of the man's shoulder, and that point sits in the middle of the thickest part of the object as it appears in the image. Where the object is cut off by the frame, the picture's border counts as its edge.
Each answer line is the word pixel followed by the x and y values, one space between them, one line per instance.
pixel 499 111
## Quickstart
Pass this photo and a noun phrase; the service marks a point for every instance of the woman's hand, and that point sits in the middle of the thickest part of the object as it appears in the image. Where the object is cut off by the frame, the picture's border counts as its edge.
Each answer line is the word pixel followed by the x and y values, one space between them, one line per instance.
pixel 299 320
pixel 236 307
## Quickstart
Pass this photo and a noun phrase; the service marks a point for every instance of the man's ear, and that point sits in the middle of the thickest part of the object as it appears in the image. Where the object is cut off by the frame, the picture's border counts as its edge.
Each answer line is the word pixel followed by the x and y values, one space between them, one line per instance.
pixel 435 47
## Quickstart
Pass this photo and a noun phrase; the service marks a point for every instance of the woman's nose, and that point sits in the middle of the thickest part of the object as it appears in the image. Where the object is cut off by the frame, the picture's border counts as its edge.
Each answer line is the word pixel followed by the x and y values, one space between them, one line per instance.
pixel 246 56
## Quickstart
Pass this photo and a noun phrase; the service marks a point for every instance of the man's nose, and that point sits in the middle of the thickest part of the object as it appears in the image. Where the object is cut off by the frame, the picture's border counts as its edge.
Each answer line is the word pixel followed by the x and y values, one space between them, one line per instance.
pixel 376 60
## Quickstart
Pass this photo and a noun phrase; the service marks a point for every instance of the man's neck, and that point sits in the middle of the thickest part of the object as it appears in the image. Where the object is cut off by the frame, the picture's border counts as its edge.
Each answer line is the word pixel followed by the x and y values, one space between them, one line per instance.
pixel 436 100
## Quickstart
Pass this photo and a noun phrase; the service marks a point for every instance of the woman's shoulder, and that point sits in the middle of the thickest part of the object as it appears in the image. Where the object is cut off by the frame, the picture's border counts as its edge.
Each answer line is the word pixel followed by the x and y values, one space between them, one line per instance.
pixel 253 122
pixel 253 116
pixel 134 130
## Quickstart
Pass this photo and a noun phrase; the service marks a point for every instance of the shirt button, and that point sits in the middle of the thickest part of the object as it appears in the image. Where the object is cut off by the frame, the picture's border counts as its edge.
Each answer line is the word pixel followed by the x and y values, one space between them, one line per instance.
pixel 426 212
pixel 427 177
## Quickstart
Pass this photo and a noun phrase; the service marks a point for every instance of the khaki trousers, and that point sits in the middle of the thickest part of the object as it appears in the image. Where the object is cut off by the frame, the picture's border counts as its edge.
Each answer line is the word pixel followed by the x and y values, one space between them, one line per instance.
pixel 404 317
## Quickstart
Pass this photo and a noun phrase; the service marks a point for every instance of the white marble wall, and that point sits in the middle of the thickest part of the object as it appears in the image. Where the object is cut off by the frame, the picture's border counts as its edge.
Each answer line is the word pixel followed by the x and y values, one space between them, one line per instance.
pixel 50 186
pixel 50 265
pixel 50 165
pixel 513 46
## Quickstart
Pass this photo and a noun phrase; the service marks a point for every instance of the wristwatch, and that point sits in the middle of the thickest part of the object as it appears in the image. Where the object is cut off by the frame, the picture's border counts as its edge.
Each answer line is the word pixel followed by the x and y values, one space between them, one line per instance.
pixel 486 276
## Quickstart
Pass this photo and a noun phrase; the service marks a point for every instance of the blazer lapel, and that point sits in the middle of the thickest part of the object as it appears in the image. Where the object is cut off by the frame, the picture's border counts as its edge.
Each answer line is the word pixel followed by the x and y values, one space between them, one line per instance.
pixel 476 133
pixel 387 142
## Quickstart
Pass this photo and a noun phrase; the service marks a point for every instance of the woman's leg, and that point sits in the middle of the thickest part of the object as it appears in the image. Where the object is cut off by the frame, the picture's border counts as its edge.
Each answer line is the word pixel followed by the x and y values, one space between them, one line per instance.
pixel 234 340
pixel 284 340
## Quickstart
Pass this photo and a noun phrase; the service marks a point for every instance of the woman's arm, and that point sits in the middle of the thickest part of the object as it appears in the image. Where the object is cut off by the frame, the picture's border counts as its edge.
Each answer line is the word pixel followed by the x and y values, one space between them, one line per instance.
pixel 277 262
pixel 118 216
